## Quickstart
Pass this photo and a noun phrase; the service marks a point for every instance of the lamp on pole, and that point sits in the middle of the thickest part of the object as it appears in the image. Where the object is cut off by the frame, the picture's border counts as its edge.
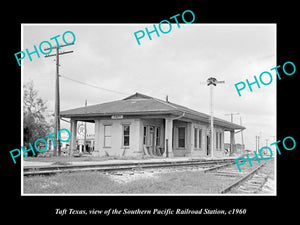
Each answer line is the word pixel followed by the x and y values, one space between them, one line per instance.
pixel 211 82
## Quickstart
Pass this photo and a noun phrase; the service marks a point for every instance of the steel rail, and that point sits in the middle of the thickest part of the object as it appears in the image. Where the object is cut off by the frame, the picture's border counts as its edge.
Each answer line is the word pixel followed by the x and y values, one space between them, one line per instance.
pixel 114 167
pixel 218 167
pixel 239 181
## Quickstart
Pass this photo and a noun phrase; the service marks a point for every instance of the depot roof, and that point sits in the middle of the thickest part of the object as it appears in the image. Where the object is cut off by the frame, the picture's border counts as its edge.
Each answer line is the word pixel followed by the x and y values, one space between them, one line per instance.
pixel 140 104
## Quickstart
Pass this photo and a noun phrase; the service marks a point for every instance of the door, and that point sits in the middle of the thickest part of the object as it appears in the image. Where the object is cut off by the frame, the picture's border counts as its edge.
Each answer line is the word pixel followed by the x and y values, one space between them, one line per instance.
pixel 208 145
pixel 152 140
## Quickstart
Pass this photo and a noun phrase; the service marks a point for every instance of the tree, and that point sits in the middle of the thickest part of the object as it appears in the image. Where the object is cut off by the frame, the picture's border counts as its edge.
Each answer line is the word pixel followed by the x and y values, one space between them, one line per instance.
pixel 34 120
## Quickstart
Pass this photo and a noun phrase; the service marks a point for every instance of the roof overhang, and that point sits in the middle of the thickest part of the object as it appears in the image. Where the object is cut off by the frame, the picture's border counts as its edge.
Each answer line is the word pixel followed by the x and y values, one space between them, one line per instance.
pixel 163 114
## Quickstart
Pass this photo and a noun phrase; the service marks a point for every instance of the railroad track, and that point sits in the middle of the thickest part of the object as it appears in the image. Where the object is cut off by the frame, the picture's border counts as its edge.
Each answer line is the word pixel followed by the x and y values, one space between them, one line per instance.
pixel 247 181
pixel 54 169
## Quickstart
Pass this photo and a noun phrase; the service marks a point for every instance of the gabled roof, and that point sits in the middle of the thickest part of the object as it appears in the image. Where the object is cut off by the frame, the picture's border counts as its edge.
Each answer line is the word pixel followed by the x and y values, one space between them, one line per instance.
pixel 140 104
pixel 138 96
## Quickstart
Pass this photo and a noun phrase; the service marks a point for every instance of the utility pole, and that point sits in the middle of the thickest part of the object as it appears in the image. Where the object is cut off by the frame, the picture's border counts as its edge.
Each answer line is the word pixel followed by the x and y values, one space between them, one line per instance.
pixel 57 149
pixel 267 140
pixel 242 131
pixel 256 143
pixel 258 137
pixel 231 116
pixel 231 120
pixel 84 142
pixel 273 140
pixel 212 82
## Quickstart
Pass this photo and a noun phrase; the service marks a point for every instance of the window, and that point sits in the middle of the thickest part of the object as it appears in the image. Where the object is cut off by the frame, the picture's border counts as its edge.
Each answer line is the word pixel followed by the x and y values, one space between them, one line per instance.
pixel 200 138
pixel 220 140
pixel 151 136
pixel 157 141
pixel 181 137
pixel 107 135
pixel 195 138
pixel 126 133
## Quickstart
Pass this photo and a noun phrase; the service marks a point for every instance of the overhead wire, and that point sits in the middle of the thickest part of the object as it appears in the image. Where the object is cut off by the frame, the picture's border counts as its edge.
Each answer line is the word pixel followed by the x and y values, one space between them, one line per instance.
pixel 94 86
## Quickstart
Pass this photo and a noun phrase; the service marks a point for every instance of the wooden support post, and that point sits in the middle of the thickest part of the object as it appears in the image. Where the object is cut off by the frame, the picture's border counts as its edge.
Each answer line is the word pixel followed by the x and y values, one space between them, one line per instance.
pixel 73 136
pixel 168 136
pixel 232 142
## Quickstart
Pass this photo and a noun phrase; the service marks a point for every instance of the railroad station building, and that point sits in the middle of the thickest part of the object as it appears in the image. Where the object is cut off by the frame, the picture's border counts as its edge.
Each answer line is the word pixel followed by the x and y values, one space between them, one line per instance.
pixel 142 125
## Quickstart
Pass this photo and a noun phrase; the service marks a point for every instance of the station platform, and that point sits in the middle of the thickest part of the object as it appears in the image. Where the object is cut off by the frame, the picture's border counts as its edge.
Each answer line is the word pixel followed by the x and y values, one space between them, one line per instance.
pixel 32 164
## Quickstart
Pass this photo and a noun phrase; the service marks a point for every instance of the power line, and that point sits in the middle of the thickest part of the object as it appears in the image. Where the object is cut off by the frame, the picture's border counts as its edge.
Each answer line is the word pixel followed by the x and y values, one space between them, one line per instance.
pixel 94 86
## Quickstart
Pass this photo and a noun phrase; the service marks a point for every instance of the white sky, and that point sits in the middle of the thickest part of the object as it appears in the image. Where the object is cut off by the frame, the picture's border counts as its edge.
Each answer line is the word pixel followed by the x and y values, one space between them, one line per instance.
pixel 176 64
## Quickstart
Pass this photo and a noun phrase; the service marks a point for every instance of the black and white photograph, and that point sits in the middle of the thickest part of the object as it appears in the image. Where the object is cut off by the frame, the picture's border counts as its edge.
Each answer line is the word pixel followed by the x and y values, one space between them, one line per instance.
pixel 182 113
pixel 149 111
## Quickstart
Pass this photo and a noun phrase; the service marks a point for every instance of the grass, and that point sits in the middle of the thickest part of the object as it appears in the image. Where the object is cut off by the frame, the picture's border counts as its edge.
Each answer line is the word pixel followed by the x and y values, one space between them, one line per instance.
pixel 93 182
pixel 183 182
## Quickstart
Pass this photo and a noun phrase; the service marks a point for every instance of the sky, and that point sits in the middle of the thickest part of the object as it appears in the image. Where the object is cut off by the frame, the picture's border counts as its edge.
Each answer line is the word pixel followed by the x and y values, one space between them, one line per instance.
pixel 176 64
